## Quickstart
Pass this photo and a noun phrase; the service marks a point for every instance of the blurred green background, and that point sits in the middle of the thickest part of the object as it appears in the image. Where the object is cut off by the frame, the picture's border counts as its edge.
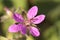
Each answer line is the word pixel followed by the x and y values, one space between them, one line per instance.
pixel 49 28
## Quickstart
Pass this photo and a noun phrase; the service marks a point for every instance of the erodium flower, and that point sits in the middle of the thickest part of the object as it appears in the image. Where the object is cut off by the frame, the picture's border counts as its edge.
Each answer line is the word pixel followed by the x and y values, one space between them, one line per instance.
pixel 24 25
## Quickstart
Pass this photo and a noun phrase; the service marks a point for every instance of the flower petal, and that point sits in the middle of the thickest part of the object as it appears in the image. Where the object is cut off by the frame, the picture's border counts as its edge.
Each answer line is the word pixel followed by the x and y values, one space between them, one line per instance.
pixel 32 12
pixel 38 19
pixel 18 17
pixel 13 28
pixel 34 31
pixel 9 13
pixel 22 29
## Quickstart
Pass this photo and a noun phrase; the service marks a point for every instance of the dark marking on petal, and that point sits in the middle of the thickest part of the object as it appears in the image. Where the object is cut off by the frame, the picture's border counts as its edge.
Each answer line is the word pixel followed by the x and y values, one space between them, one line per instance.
pixel 35 20
pixel 17 23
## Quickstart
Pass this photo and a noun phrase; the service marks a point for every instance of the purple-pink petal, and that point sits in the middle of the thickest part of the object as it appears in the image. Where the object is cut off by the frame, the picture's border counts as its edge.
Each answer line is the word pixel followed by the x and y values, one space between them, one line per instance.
pixel 38 19
pixel 32 12
pixel 13 28
pixel 18 17
pixel 34 31
pixel 22 28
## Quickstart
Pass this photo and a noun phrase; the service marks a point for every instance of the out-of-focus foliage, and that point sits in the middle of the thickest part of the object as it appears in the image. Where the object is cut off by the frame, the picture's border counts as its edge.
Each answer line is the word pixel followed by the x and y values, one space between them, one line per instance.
pixel 30 38
pixel 49 28
pixel 3 38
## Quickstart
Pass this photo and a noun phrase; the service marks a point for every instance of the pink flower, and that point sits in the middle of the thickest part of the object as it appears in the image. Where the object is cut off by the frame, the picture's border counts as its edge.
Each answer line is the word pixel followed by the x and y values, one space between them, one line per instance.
pixel 23 25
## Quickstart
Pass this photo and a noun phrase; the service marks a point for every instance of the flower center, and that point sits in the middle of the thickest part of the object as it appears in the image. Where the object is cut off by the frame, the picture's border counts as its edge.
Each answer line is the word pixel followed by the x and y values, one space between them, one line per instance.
pixel 27 22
